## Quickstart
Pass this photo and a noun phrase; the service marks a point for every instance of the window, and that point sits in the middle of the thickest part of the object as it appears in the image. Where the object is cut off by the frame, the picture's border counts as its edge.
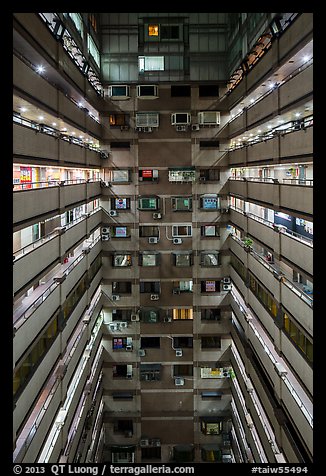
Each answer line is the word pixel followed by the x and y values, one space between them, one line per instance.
pixel 209 202
pixel 208 90
pixel 182 342
pixel 149 258
pixel 152 30
pixel 209 144
pixel 150 287
pixel 120 231
pixel 147 119
pixel 211 425
pixel 150 63
pixel 298 337
pixel 93 50
pixel 182 314
pixel 148 175
pixel 122 371
pixel 147 231
pixel 181 231
pixel 120 203
pixel 121 314
pixel 211 342
pixel 209 231
pixel 151 452
pixel 123 426
pixel 121 176
pixel 123 454
pixel 180 91
pixel 209 286
pixel 77 21
pixel 149 342
pixel 150 372
pixel 182 258
pixel 182 286
pixel 181 203
pixel 209 258
pixel 122 395
pixel 120 145
pixel 209 175
pixel 150 315
pixel 148 203
pixel 211 314
pixel 182 370
pixel 182 175
pixel 121 287
pixel 121 260
pixel 119 343
pixel 118 120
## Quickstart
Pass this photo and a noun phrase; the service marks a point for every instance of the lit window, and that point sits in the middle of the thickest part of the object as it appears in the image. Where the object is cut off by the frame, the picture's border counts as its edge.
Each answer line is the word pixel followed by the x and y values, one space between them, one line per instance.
pixel 150 63
pixel 181 203
pixel 120 175
pixel 148 203
pixel 182 314
pixel 209 230
pixel 149 259
pixel 209 258
pixel 121 260
pixel 93 50
pixel 152 30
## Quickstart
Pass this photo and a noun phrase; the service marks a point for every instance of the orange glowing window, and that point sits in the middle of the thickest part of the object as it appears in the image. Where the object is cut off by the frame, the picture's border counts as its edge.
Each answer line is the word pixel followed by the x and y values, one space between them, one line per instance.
pixel 152 30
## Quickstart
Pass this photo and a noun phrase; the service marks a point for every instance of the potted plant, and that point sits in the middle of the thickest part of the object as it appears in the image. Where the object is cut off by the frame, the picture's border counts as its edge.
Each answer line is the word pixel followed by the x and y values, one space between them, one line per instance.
pixel 247 244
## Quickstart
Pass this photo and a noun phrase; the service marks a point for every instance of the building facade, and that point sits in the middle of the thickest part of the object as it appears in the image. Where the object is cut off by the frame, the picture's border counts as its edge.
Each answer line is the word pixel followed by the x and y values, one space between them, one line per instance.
pixel 163 237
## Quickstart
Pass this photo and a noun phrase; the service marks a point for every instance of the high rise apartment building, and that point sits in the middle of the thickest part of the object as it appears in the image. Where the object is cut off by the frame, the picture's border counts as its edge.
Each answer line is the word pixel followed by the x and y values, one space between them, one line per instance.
pixel 163 237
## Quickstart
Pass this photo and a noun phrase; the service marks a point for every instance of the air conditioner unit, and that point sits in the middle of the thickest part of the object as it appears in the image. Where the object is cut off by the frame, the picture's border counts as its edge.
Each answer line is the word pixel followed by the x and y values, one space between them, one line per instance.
pixel 113 213
pixel 195 127
pixel 177 241
pixel 105 230
pixel 181 128
pixel 157 216
pixel 147 129
pixel 227 287
pixel 123 325
pixel 249 421
pixel 226 280
pixel 141 352
pixel 115 297
pixel 155 297
pixel 128 347
pixel 134 317
pixel 124 128
pixel 129 371
pixel 105 237
pixel 202 179
pixel 167 319
pixel 152 239
pixel 178 352
pixel 179 381
pixel 209 118
pixel 138 129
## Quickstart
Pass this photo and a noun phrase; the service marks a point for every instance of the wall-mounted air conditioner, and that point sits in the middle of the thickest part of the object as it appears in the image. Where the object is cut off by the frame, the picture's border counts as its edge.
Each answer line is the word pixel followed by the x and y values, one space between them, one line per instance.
pixel 227 287
pixel 180 119
pixel 152 239
pixel 119 92
pixel 167 319
pixel 105 237
pixel 226 280
pixel 155 297
pixel 195 127
pixel 115 297
pixel 128 347
pixel 113 213
pixel 178 352
pixel 123 325
pixel 181 128
pixel 134 317
pixel 209 118
pixel 177 241
pixel 157 216
pixel 141 352
pixel 249 421
pixel 147 91
pixel 179 381
pixel 105 230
